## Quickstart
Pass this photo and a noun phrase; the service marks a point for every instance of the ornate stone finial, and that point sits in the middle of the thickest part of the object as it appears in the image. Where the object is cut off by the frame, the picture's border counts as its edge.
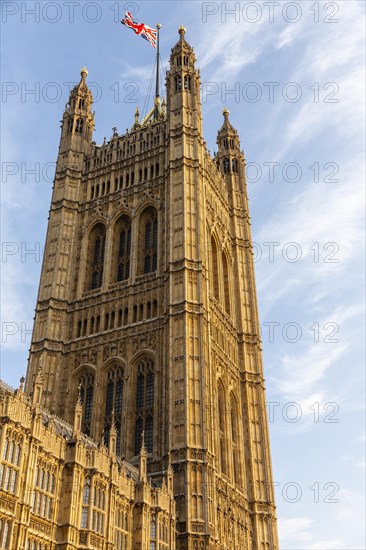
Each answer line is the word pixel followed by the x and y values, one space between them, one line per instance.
pixel 169 473
pixel 114 130
pixel 137 115
pixel 84 73
pixel 143 459
pixel 182 31
pixel 78 401
pixel 112 444
pixel 21 385
pixel 226 113
pixel 143 448
pixel 163 106
pixel 113 424
pixel 78 413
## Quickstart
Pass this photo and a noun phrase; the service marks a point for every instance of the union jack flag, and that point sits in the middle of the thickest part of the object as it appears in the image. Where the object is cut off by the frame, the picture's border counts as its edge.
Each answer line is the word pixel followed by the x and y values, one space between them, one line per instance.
pixel 140 28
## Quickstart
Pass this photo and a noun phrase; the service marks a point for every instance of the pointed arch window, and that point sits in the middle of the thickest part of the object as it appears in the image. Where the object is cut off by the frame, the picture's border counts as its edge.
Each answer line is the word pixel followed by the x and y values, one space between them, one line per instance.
pixel 187 82
pixel 86 384
pixel 234 166
pixel 178 83
pixel 222 428
pixel 152 533
pixel 124 249
pixel 113 403
pixel 235 437
pixel 97 260
pixel 85 504
pixel 225 269
pixel 5 529
pixel 149 230
pixel 79 126
pixel 226 166
pixel 144 404
pixel 70 126
pixel 215 268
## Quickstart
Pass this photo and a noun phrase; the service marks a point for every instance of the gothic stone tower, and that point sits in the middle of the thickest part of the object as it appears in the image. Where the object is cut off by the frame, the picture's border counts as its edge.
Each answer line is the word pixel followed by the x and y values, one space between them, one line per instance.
pixel 147 304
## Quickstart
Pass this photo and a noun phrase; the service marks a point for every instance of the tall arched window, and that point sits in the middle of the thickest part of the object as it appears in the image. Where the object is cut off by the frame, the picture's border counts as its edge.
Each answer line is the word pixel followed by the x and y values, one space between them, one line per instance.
pixel 85 504
pixel 97 252
pixel 124 248
pixel 4 533
pixel 86 384
pixel 222 427
pixel 79 126
pixel 235 437
pixel 152 533
pixel 215 268
pixel 187 82
pixel 113 403
pixel 144 404
pixel 178 83
pixel 225 269
pixel 149 240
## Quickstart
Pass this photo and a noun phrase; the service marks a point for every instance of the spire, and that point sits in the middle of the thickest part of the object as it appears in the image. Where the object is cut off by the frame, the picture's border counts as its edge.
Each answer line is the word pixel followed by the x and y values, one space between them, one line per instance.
pixel 78 119
pixel 229 158
pixel 227 127
pixel 137 116
pixel 113 437
pixel 180 47
pixel 227 131
pixel 78 414
pixel 143 459
pixel 183 83
pixel 84 73
pixel 182 31
pixel 226 113
pixel 169 474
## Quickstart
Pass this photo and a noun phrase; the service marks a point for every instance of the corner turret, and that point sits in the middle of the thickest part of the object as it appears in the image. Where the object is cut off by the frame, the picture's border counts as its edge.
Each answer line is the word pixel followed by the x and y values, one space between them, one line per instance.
pixel 230 159
pixel 183 84
pixel 78 119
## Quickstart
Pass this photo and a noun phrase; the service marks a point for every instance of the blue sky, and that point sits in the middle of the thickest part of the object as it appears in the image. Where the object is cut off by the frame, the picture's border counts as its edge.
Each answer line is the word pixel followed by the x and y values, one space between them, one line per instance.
pixel 296 72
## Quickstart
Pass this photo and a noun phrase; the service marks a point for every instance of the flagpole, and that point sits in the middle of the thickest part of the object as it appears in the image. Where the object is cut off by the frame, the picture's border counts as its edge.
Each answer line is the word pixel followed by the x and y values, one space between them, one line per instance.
pixel 157 90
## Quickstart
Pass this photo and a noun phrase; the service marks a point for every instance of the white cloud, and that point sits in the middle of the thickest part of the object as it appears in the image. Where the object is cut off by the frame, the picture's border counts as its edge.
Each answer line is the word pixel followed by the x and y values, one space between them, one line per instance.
pixel 330 544
pixel 300 372
pixel 295 528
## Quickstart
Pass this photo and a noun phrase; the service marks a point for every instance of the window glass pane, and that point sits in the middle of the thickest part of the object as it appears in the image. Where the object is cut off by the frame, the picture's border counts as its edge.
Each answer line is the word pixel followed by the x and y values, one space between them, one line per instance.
pixel 148 239
pixel 119 393
pixel 150 390
pixel 140 391
pixel 109 398
pixel 88 403
pixel 138 435
pixel 149 434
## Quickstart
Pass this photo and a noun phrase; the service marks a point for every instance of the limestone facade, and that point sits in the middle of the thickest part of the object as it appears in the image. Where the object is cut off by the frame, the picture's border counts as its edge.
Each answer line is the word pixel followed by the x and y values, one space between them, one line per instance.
pixel 60 490
pixel 147 320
